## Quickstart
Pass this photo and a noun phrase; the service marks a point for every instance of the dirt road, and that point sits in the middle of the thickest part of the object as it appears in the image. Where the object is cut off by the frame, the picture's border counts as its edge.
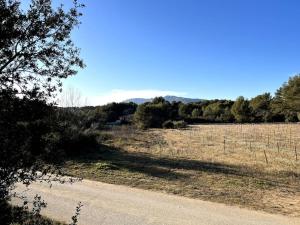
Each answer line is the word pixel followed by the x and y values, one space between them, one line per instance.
pixel 114 205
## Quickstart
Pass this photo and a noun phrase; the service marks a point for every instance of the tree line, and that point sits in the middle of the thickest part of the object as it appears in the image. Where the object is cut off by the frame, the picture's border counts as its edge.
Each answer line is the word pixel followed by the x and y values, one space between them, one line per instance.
pixel 283 107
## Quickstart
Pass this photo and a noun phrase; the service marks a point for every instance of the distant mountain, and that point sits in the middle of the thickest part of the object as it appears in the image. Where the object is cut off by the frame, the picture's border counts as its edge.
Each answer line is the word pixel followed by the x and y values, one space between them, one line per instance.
pixel 181 99
pixel 138 100
pixel 167 98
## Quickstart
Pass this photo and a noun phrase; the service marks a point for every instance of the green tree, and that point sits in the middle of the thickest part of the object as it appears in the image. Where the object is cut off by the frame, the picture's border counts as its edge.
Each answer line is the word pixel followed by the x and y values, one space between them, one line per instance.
pixel 173 111
pixel 226 115
pixel 286 102
pixel 152 114
pixel 36 52
pixel 260 107
pixel 218 111
pixel 143 117
pixel 212 111
pixel 196 113
pixel 289 94
pixel 185 110
pixel 158 100
pixel 240 110
pixel 36 48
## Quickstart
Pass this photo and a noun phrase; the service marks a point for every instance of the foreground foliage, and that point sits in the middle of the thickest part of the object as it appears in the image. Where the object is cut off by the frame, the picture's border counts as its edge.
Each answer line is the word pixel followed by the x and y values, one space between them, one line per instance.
pixel 19 216
pixel 36 52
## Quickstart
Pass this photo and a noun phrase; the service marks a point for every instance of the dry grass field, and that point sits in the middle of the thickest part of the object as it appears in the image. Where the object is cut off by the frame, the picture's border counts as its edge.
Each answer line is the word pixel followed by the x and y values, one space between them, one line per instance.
pixel 254 166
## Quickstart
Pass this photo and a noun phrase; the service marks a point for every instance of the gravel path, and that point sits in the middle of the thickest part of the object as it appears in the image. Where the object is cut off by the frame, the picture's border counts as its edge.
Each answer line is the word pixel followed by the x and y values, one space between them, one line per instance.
pixel 114 205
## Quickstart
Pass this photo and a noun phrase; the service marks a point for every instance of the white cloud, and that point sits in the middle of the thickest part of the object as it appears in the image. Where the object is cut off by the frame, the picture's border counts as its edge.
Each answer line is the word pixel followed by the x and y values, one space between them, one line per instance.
pixel 119 95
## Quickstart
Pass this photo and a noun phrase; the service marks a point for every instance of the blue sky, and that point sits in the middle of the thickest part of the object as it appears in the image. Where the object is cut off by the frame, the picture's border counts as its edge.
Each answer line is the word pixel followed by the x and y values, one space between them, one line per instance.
pixel 207 49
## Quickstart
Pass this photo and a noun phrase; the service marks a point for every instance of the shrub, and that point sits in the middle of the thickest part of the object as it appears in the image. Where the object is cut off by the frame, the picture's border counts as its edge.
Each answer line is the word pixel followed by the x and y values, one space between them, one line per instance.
pixel 11 215
pixel 291 117
pixel 168 124
pixel 180 124
pixel 77 143
pixel 150 115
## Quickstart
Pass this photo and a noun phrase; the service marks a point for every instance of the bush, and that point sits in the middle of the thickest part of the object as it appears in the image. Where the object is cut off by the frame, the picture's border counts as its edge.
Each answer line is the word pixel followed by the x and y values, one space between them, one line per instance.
pixel 291 117
pixel 168 124
pixel 11 215
pixel 77 143
pixel 180 124
pixel 150 115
